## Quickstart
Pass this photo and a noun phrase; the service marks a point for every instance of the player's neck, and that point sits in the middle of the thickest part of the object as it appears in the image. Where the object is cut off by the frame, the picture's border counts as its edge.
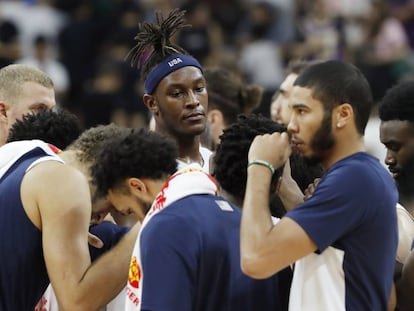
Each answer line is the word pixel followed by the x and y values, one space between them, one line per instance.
pixel 342 150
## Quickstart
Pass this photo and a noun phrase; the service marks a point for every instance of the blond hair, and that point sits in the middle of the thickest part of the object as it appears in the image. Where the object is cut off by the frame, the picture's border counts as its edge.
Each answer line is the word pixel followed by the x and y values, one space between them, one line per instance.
pixel 12 78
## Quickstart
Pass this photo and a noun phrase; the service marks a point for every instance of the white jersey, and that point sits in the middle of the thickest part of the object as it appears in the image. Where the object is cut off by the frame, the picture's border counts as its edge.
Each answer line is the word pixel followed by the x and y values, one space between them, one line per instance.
pixel 205 155
pixel 315 275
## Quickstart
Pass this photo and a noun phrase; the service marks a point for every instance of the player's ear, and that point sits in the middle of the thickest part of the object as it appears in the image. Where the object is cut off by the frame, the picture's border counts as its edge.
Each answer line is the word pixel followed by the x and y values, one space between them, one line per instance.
pixel 151 102
pixel 3 109
pixel 343 114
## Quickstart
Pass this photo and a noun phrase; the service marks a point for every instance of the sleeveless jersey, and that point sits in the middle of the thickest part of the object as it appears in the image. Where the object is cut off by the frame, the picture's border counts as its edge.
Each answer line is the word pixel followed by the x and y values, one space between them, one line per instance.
pixel 23 275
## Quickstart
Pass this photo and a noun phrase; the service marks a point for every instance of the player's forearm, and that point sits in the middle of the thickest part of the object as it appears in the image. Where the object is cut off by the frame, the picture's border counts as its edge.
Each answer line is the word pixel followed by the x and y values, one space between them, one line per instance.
pixel 256 219
pixel 290 195
pixel 105 278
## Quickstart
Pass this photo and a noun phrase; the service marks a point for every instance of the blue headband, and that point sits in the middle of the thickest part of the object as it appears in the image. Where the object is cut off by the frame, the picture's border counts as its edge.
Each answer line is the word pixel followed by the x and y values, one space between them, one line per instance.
pixel 168 65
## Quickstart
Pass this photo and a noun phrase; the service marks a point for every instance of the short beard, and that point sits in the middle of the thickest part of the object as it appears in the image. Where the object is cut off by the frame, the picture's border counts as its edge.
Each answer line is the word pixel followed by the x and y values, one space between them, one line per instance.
pixel 322 141
pixel 405 181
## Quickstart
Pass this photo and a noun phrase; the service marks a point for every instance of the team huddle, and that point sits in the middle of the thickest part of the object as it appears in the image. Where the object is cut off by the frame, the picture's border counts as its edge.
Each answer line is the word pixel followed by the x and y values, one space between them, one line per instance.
pixel 285 214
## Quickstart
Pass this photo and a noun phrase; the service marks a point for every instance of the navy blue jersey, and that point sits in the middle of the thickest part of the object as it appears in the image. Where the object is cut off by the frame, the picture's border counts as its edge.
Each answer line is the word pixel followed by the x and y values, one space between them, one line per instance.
pixel 191 261
pixel 23 275
pixel 351 217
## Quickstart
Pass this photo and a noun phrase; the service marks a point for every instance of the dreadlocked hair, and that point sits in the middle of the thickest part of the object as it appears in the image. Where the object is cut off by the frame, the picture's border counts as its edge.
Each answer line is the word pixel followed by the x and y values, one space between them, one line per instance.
pixel 154 41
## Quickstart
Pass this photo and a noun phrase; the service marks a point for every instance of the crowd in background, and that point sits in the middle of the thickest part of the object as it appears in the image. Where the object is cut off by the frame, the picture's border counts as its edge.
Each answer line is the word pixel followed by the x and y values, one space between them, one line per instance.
pixel 82 45
pixel 95 52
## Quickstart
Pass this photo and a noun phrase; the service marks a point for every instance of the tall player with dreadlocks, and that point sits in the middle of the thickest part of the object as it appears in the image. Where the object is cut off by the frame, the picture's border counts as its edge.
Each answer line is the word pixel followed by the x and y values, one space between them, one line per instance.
pixel 174 86
pixel 187 254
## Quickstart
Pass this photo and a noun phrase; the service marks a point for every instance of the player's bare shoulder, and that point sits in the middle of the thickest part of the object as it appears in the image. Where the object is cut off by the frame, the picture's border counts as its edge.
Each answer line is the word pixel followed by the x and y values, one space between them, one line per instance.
pixel 47 187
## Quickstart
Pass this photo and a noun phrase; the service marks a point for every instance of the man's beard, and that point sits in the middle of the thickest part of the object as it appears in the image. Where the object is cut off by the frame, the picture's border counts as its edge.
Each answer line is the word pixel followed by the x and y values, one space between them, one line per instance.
pixel 405 179
pixel 322 141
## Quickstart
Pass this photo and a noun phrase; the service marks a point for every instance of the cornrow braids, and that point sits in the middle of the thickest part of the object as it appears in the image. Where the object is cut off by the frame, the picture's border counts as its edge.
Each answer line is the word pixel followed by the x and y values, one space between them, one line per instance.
pixel 154 41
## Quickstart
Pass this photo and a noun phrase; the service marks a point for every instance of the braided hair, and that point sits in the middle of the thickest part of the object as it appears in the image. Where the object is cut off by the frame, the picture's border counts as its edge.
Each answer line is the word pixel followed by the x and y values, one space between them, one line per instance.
pixel 154 41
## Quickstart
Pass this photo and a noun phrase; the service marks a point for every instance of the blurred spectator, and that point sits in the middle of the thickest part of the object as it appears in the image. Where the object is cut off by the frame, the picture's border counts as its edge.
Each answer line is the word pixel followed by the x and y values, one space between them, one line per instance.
pixel 403 10
pixel 228 14
pixel 320 31
pixel 283 27
pixel 33 18
pixel 348 8
pixel 257 38
pixel 132 112
pixel 261 58
pixel 383 56
pixel 78 47
pixel 9 44
pixel 150 6
pixel 45 61
pixel 203 40
pixel 102 96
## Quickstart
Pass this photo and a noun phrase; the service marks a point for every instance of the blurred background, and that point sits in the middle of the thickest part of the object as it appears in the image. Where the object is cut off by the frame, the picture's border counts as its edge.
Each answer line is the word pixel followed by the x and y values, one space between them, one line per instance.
pixel 82 45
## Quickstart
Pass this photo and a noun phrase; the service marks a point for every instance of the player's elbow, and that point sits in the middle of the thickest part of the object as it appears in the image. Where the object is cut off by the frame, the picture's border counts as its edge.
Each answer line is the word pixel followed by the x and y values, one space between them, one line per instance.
pixel 252 267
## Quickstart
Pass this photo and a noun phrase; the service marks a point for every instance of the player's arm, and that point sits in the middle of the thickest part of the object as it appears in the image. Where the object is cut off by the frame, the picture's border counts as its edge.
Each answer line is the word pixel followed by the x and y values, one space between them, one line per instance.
pixel 63 199
pixel 266 248
pixel 289 191
pixel 405 287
